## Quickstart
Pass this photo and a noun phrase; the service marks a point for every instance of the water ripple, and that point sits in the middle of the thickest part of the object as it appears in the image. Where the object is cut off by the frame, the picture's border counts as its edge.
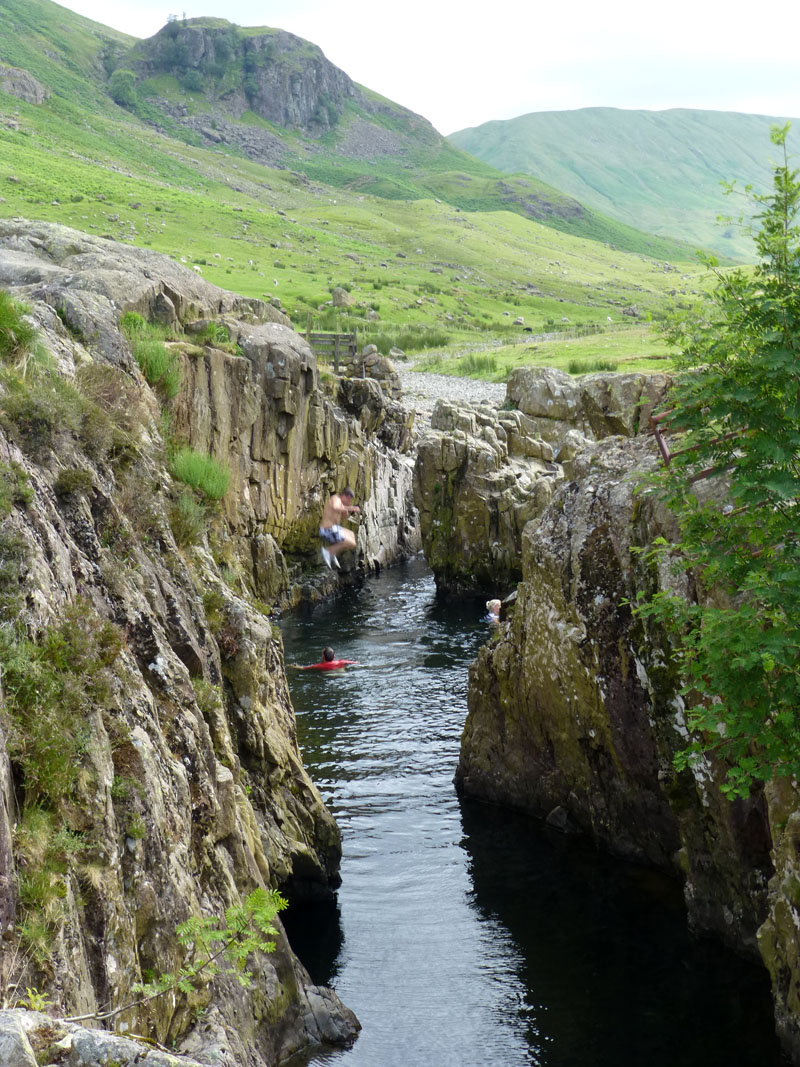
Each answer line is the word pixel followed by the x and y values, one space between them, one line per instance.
pixel 464 935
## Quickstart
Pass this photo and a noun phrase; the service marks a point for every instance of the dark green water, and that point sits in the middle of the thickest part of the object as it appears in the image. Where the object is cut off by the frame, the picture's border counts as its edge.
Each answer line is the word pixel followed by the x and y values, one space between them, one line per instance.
pixel 463 934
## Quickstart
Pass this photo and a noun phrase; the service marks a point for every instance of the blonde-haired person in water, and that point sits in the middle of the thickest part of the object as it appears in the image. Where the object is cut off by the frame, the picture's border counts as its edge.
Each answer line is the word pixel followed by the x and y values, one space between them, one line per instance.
pixel 493 611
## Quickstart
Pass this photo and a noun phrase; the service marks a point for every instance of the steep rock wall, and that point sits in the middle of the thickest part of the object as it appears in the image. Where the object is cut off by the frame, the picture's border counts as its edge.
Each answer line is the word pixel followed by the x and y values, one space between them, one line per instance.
pixel 481 474
pixel 188 789
pixel 479 478
pixel 289 446
pixel 575 716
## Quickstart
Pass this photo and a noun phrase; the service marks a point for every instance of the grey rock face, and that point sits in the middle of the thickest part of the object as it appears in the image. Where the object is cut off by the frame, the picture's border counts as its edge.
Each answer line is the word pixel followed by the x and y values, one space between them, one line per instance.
pixel 595 405
pixel 22 85
pixel 487 472
pixel 478 480
pixel 192 787
pixel 264 416
pixel 575 715
pixel 578 707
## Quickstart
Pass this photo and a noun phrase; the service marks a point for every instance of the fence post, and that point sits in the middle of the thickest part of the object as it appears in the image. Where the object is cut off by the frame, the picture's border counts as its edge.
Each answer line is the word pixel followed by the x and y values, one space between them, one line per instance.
pixel 662 444
pixel 336 354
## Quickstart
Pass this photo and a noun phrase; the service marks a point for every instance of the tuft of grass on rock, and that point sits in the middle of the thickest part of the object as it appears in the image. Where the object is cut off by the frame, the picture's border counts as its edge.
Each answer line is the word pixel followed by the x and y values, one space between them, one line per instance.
pixel 15 488
pixel 17 336
pixel 160 367
pixel 73 481
pixel 201 471
pixel 187 519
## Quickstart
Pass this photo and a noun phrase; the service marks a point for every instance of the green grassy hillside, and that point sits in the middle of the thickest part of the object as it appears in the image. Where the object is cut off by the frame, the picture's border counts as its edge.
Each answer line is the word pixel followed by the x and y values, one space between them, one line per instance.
pixel 212 76
pixel 659 171
pixel 422 235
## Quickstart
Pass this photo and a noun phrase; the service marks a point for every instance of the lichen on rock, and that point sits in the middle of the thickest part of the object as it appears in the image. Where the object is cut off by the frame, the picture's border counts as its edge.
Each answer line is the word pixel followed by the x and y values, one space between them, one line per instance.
pixel 144 606
pixel 575 715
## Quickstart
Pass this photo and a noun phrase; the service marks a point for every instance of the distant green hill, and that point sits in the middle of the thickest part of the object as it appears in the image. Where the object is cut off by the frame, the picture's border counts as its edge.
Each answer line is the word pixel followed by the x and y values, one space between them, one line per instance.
pixel 279 99
pixel 246 153
pixel 659 171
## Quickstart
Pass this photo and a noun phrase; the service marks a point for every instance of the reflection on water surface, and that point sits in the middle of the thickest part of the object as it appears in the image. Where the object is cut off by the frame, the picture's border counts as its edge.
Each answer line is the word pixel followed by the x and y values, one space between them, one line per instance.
pixel 463 934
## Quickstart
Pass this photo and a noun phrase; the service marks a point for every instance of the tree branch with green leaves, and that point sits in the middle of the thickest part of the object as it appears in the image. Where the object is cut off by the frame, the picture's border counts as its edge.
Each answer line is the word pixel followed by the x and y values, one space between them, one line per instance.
pixel 214 948
pixel 733 483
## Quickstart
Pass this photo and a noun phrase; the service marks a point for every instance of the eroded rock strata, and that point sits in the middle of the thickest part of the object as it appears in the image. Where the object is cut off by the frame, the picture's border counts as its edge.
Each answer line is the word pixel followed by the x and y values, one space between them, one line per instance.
pixel 483 473
pixel 574 708
pixel 479 478
pixel 188 789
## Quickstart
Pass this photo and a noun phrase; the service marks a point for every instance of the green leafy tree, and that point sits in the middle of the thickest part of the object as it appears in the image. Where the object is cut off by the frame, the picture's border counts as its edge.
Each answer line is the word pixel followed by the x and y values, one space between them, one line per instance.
pixel 122 88
pixel 193 81
pixel 733 482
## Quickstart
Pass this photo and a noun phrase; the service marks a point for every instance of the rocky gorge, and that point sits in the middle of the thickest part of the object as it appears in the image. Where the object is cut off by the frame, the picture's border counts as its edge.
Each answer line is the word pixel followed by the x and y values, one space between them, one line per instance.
pixel 141 612
pixel 183 790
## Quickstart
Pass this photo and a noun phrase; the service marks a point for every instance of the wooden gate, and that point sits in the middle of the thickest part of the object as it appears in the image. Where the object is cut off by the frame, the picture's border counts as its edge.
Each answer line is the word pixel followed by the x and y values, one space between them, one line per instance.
pixel 333 346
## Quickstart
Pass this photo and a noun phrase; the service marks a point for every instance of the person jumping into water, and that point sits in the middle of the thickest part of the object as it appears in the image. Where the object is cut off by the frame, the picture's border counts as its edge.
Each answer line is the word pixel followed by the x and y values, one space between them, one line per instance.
pixel 327 663
pixel 336 538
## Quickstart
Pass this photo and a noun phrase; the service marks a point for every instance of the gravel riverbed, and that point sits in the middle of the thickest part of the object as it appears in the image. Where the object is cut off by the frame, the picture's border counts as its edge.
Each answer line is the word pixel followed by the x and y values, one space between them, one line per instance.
pixel 422 390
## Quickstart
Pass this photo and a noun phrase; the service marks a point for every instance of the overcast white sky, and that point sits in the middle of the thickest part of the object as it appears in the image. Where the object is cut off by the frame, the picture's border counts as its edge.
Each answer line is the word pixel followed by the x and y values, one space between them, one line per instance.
pixel 463 63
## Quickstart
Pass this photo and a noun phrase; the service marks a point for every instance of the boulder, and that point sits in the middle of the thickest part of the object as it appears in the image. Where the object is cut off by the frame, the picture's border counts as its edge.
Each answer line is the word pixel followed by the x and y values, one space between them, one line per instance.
pixel 371 364
pixel 342 298
pixel 19 83
pixel 15 1046
pixel 596 405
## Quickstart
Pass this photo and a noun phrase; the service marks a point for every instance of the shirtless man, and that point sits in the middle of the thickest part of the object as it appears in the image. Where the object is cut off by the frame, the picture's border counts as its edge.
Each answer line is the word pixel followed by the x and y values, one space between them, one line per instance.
pixel 336 538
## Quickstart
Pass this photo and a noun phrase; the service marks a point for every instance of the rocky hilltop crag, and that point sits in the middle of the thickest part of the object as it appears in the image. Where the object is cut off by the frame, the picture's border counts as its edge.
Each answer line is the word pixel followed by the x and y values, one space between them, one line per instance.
pixel 148 759
pixel 277 77
pixel 575 711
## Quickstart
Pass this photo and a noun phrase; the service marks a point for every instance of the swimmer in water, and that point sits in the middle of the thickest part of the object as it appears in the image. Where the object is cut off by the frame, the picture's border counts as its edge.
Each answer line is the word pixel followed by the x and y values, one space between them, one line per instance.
pixel 327 663
pixel 493 611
